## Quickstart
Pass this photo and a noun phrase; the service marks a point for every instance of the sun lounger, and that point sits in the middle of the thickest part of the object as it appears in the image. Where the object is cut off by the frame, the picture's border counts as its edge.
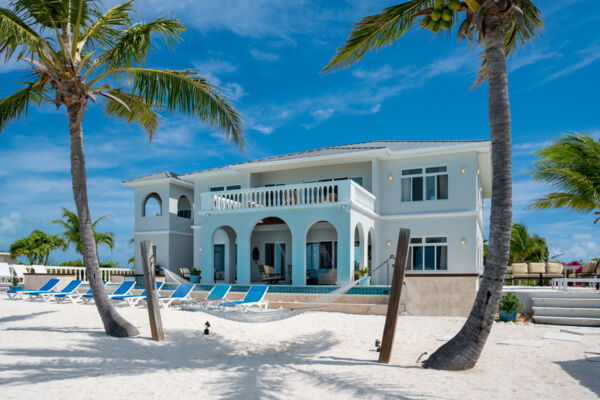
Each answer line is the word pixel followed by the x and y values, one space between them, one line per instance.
pixel 182 292
pixel 254 297
pixel 46 287
pixel 73 296
pixel 133 299
pixel 39 269
pixel 69 289
pixel 20 271
pixel 123 290
pixel 5 272
pixel 217 293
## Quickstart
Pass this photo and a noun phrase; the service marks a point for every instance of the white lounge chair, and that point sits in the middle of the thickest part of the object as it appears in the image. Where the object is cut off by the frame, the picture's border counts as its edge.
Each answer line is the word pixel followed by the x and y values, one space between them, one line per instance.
pixel 39 269
pixel 5 272
pixel 182 292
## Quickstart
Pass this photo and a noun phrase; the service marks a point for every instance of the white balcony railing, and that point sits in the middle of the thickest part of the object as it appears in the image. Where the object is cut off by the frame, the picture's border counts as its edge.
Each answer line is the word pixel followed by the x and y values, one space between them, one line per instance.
pixel 306 194
pixel 80 274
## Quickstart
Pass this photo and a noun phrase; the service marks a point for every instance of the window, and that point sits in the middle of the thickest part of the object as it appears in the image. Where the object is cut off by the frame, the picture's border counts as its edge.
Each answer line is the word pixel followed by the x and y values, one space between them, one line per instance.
pixel 184 208
pixel 275 256
pixel 217 188
pixel 234 187
pixel 429 185
pixel 321 255
pixel 429 254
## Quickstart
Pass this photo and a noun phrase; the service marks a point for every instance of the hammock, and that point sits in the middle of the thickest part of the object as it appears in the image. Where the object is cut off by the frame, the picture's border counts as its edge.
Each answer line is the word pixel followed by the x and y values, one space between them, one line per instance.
pixel 257 315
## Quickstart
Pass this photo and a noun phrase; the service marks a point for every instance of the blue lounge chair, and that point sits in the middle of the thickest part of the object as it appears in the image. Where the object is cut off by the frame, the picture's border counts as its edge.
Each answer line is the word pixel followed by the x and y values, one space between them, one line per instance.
pixel 73 296
pixel 46 287
pixel 123 290
pixel 254 297
pixel 69 289
pixel 217 293
pixel 182 292
pixel 133 299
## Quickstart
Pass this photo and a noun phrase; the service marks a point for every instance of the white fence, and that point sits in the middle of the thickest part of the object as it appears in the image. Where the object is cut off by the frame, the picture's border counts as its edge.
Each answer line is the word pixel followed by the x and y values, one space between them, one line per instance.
pixel 79 272
pixel 289 196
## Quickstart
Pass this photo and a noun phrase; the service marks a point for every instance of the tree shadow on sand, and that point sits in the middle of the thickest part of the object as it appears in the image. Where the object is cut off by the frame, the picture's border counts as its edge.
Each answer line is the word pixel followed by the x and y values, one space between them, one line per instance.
pixel 13 318
pixel 245 372
pixel 584 371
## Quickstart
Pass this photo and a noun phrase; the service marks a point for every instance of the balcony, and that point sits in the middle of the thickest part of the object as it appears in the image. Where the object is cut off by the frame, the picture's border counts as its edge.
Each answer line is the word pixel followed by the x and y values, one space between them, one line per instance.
pixel 290 196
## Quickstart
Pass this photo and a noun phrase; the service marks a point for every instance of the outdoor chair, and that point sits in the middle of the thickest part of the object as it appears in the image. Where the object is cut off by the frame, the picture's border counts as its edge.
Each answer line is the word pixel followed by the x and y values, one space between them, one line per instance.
pixel 268 275
pixel 39 269
pixel 133 299
pixel 254 297
pixel 185 273
pixel 327 278
pixel 182 292
pixel 74 296
pixel 46 287
pixel 587 271
pixel 217 293
pixel 20 271
pixel 122 290
pixel 553 270
pixel 70 288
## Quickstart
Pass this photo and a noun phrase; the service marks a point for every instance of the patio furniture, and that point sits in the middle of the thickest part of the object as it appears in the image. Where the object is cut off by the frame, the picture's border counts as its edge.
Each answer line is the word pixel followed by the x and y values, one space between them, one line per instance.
pixel 74 296
pixel 185 273
pixel 39 269
pixel 268 275
pixel 133 299
pixel 587 271
pixel 69 289
pixel 563 283
pixel 182 292
pixel 254 297
pixel 46 287
pixel 20 271
pixel 5 273
pixel 217 293
pixel 122 290
pixel 329 277
pixel 553 270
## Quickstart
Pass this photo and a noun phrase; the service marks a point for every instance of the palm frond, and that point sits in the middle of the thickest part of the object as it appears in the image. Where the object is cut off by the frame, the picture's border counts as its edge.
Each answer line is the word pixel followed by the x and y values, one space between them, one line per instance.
pixel 519 34
pixel 17 104
pixel 564 200
pixel 186 92
pixel 16 37
pixel 107 25
pixel 377 31
pixel 131 108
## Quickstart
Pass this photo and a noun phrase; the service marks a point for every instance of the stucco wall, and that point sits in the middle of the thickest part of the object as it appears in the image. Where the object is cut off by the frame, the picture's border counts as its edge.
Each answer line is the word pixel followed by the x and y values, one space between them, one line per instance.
pixel 439 295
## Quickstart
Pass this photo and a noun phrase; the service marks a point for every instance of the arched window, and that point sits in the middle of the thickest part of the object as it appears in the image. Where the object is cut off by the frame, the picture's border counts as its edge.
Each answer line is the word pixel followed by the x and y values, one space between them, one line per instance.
pixel 184 208
pixel 152 206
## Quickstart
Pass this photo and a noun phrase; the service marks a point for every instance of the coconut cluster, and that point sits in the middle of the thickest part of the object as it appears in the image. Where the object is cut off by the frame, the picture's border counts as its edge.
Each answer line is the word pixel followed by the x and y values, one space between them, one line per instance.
pixel 441 15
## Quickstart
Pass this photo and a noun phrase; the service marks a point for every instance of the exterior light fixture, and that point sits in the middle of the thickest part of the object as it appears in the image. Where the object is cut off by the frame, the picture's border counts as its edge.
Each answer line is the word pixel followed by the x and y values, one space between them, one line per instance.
pixel 390 178
pixel 477 171
pixel 388 244
pixel 462 170
pixel 200 249
pixel 463 242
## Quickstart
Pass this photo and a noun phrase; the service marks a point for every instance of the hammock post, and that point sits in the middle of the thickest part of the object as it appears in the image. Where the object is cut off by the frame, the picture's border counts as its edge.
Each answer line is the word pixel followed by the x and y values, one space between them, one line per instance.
pixel 389 329
pixel 151 294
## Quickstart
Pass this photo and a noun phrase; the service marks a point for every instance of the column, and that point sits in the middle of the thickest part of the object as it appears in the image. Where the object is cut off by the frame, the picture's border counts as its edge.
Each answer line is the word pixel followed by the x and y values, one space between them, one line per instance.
pixel 298 257
pixel 345 263
pixel 243 256
pixel 204 253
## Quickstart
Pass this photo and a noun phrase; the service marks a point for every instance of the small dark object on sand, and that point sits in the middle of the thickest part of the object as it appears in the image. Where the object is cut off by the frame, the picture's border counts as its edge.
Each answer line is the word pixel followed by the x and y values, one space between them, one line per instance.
pixel 206 325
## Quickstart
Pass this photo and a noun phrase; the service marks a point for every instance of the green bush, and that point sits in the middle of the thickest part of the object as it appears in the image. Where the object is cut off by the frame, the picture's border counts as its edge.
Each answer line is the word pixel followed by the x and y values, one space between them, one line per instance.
pixel 194 271
pixel 511 303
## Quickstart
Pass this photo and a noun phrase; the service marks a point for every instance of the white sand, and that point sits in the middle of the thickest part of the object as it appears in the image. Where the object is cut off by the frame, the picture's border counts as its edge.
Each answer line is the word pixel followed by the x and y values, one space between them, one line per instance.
pixel 51 351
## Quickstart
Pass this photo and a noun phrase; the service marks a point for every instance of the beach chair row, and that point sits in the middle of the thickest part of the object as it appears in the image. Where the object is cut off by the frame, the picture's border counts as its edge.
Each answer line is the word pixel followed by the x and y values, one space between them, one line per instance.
pixel 217 295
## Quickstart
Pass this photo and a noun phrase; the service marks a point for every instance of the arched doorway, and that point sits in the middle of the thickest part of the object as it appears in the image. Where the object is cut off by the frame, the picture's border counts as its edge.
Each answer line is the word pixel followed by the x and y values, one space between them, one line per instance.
pixel 152 206
pixel 321 254
pixel 271 245
pixel 224 248
pixel 184 207
pixel 359 247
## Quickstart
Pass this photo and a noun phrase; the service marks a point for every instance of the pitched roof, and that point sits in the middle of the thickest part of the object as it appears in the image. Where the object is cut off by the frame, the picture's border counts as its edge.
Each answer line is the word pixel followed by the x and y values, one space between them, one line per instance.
pixel 392 145
pixel 157 175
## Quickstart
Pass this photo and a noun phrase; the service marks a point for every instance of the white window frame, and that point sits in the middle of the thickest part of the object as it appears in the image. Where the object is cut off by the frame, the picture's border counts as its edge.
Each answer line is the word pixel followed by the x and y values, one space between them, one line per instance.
pixel 423 244
pixel 424 176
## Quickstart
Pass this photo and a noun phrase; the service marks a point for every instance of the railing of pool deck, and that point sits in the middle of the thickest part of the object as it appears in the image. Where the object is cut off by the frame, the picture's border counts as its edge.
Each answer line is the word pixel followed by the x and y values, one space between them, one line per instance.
pixel 300 195
pixel 80 274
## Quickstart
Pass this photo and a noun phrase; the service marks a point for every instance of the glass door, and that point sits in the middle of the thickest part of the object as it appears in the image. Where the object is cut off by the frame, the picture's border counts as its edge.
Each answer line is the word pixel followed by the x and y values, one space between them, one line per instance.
pixel 219 261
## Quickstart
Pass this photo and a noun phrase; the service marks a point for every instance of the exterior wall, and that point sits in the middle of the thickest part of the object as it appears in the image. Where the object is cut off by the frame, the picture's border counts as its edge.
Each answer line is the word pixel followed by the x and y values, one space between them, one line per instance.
pixel 301 175
pixel 439 296
pixel 6 258
pixel 462 188
pixel 36 281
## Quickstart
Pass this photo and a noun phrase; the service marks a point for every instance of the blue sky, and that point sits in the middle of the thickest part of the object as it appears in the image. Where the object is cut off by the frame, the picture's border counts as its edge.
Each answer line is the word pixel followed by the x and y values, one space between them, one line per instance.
pixel 268 56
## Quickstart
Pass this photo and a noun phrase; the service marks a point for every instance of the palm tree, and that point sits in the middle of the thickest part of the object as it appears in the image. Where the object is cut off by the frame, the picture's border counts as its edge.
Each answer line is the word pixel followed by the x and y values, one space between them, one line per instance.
pixel 500 25
pixel 37 247
pixel 572 165
pixel 72 233
pixel 525 247
pixel 78 56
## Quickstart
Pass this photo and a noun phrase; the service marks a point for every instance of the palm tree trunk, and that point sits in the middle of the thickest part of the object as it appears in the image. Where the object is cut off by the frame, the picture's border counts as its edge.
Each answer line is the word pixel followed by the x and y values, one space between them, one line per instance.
pixel 463 350
pixel 114 324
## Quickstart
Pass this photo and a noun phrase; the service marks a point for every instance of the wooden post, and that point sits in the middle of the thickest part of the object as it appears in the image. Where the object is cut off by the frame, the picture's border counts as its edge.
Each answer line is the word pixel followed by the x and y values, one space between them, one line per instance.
pixel 151 293
pixel 389 329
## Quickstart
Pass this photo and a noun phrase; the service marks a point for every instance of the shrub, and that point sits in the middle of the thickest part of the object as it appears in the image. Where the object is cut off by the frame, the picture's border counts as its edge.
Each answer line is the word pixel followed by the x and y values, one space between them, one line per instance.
pixel 194 271
pixel 511 303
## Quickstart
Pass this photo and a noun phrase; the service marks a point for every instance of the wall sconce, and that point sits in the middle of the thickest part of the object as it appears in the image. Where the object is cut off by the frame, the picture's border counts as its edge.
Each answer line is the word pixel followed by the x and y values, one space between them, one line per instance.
pixel 200 249
pixel 388 244
pixel 462 170
pixel 463 242
pixel 477 171
pixel 390 178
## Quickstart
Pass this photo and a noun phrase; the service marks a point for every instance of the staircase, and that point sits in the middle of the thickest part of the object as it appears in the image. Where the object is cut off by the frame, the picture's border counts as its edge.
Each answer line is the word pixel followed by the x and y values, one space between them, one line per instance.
pixel 564 308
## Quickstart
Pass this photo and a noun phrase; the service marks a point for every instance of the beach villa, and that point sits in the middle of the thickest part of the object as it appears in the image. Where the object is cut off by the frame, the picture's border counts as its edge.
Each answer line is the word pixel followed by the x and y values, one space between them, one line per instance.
pixel 316 216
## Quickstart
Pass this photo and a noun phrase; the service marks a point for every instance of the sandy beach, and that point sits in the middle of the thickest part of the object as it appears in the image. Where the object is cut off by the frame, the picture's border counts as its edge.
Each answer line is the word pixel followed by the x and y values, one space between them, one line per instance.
pixel 60 352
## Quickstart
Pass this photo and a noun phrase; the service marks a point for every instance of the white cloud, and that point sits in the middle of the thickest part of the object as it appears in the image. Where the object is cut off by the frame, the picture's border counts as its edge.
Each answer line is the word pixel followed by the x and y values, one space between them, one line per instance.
pixel 588 56
pixel 12 65
pixel 517 61
pixel 375 109
pixel 380 74
pixel 265 130
pixel 263 55
pixel 234 91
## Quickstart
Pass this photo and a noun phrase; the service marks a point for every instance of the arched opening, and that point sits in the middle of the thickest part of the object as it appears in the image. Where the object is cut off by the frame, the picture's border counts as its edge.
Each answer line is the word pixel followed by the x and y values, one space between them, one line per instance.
pixel 271 251
pixel 321 254
pixel 184 207
pixel 370 244
pixel 224 248
pixel 359 248
pixel 152 206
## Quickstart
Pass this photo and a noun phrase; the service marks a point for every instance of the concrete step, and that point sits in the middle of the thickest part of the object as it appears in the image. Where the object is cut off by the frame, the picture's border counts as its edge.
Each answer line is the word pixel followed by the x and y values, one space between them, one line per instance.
pixel 572 321
pixel 584 312
pixel 566 302
pixel 372 309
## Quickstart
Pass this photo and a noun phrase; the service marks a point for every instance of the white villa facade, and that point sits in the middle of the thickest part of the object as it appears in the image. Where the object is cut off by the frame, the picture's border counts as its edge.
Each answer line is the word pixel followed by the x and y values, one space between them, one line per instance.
pixel 318 215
